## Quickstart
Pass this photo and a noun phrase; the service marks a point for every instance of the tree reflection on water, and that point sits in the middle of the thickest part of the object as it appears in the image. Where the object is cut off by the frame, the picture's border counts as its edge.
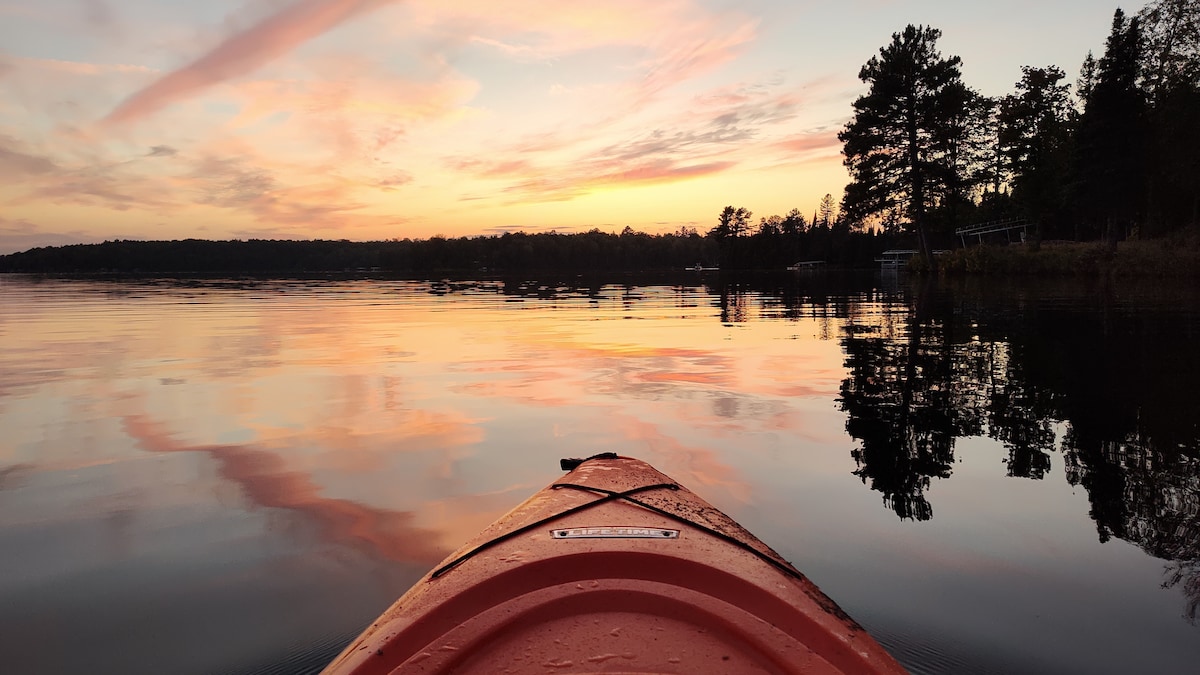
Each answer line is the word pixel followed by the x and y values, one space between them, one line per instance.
pixel 1091 379
pixel 1104 378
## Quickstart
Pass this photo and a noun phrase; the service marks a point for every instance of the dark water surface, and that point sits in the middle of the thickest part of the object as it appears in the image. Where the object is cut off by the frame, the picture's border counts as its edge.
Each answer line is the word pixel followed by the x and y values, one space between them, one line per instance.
pixel 237 476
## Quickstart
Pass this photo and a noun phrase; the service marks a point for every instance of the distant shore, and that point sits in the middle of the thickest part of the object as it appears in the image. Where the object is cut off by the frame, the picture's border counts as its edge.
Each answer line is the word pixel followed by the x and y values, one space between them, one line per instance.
pixel 1177 256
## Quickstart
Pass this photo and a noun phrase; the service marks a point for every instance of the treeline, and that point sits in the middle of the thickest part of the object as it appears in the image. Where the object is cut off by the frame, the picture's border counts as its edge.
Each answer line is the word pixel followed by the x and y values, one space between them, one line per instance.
pixel 1118 157
pixel 773 246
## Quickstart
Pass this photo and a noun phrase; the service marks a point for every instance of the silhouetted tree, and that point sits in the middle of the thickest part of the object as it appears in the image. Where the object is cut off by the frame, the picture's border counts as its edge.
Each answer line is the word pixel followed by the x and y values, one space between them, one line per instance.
pixel 1171 34
pixel 732 225
pixel 827 211
pixel 1110 168
pixel 900 145
pixel 965 144
pixel 1171 79
pixel 1086 84
pixel 1035 134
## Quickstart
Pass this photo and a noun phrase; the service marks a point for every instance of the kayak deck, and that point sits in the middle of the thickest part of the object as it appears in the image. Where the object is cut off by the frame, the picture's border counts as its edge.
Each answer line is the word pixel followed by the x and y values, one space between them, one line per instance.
pixel 614 568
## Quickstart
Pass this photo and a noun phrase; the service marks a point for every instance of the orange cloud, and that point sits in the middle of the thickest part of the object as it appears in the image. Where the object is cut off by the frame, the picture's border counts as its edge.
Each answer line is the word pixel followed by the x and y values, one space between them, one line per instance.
pixel 243 53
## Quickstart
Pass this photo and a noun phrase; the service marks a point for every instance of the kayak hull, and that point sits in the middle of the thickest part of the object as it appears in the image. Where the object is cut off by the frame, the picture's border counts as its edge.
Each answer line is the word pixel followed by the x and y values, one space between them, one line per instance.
pixel 614 568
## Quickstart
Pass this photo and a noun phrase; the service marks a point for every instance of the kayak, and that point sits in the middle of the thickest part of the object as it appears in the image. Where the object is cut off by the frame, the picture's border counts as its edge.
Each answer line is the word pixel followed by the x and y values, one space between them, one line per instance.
pixel 614 567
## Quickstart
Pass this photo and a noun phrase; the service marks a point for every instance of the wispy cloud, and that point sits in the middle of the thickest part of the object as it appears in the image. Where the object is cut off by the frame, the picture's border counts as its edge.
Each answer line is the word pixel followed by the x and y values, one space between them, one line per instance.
pixel 17 162
pixel 243 53
pixel 76 67
pixel 698 50
pixel 818 141
pixel 239 184
pixel 21 235
pixel 582 180
pixel 716 133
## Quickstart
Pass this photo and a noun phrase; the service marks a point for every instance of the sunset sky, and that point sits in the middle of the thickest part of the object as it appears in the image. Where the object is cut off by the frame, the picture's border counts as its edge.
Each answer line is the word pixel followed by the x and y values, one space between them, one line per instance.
pixel 375 119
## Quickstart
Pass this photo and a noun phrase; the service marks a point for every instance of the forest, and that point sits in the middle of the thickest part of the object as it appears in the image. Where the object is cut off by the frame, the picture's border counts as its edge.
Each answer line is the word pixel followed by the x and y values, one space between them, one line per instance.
pixel 1114 157
pixel 768 247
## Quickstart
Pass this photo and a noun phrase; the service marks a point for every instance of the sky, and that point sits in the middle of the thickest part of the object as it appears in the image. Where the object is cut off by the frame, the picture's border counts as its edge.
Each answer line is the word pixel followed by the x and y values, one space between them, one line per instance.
pixel 382 119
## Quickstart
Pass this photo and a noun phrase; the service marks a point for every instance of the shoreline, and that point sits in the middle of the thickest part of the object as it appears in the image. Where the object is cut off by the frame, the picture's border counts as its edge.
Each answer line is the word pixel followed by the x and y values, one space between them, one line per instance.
pixel 1156 258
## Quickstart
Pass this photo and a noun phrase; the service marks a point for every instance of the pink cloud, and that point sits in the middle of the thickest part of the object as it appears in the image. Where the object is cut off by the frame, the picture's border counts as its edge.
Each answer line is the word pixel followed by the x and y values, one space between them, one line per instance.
pixel 816 141
pixel 586 176
pixel 243 53
pixel 663 172
pixel 694 54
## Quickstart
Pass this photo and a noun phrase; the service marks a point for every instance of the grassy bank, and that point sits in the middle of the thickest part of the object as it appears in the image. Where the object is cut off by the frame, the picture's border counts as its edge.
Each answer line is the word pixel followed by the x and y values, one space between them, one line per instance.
pixel 1174 257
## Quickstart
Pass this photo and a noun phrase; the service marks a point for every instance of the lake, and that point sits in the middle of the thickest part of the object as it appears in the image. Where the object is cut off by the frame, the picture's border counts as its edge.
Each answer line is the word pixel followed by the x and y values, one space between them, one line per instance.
pixel 236 476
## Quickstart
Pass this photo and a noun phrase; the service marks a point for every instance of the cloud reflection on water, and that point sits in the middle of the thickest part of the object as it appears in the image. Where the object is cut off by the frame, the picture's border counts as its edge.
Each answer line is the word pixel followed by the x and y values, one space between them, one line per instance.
pixel 266 480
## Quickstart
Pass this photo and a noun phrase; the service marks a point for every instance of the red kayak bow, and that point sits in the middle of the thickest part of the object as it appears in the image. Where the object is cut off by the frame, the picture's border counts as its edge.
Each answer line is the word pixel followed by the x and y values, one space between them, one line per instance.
pixel 614 568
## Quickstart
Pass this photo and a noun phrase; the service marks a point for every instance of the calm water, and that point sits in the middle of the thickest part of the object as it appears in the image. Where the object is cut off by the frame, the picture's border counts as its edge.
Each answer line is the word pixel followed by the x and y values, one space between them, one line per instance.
pixel 235 477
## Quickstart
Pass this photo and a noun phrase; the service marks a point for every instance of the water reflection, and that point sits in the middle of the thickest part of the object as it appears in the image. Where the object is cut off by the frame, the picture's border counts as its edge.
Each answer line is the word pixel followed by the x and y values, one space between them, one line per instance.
pixel 1096 382
pixel 266 480
pixel 306 449
pixel 1108 375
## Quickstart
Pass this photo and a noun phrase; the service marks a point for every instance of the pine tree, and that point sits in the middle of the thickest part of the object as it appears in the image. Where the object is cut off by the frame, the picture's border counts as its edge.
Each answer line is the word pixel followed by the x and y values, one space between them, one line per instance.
pixel 1171 78
pixel 1110 168
pixel 905 146
pixel 1035 128
pixel 1087 80
pixel 827 211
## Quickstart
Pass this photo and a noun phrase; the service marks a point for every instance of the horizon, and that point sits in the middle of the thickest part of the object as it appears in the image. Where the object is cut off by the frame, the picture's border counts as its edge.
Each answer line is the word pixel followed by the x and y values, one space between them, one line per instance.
pixel 371 120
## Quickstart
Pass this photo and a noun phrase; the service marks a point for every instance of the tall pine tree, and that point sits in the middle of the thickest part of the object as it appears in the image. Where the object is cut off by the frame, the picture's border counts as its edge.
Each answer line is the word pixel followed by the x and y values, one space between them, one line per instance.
pixel 904 147
pixel 1110 186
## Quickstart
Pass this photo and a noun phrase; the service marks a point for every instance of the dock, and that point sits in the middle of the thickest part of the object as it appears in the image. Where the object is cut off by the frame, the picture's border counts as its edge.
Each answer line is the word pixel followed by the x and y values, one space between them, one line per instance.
pixel 1007 226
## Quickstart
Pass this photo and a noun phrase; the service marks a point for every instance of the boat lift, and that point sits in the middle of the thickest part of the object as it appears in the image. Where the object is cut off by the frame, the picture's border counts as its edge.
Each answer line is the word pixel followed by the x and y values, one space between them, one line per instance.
pixel 1006 226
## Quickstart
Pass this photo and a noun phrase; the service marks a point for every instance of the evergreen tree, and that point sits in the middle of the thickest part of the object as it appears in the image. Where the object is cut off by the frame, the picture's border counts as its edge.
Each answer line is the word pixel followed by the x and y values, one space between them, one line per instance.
pixel 733 224
pixel 964 143
pixel 827 211
pixel 1171 78
pixel 903 147
pixel 1110 169
pixel 1035 126
pixel 1087 80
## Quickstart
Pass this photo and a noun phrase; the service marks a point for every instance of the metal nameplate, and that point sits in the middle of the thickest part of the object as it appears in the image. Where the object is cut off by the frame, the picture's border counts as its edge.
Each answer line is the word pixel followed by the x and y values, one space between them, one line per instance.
pixel 615 533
